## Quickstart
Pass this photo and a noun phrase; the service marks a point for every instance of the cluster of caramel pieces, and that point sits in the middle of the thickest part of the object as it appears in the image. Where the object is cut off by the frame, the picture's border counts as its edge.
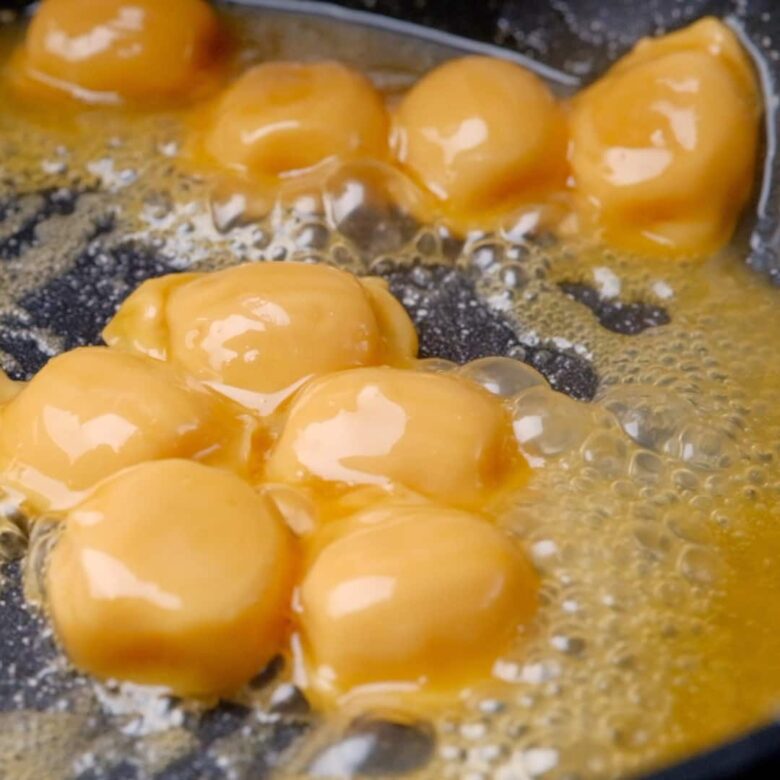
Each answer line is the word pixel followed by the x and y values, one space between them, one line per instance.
pixel 656 157
pixel 255 462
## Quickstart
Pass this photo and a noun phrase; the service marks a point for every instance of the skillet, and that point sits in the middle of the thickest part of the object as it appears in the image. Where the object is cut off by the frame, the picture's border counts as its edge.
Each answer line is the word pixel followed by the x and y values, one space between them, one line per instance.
pixel 577 40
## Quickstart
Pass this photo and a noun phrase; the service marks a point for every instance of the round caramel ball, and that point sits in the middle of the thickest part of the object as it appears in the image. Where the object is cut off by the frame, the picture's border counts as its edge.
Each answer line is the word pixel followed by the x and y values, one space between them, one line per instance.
pixel 419 595
pixel 106 51
pixel 664 146
pixel 483 135
pixel 172 573
pixel 287 117
pixel 93 411
pixel 441 436
pixel 256 332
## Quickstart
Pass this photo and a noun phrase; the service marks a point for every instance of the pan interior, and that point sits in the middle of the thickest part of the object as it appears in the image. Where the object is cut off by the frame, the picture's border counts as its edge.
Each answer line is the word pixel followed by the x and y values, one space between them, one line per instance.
pixel 655 521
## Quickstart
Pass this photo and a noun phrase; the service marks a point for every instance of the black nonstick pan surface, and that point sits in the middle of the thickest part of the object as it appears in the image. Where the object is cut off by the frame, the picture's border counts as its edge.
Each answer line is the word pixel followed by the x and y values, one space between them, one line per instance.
pixel 576 37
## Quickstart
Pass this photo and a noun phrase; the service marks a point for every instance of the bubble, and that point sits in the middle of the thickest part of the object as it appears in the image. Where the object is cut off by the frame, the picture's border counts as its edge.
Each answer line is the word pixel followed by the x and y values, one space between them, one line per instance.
pixel 228 212
pixel 689 525
pixel 700 565
pixel 685 479
pixel 607 452
pixel 756 476
pixel 487 256
pixel 651 417
pixel 427 243
pixel 653 539
pixel 548 424
pixel 370 205
pixel 373 746
pixel 13 541
pixel 44 535
pixel 703 447
pixel 647 467
pixel 312 235
pixel 624 488
pixel 503 376
pixel 513 276
pixel 570 645
pixel 277 253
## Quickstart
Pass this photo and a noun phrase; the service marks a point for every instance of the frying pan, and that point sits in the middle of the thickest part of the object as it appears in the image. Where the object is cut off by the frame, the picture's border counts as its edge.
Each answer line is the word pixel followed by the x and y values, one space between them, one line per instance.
pixel 570 41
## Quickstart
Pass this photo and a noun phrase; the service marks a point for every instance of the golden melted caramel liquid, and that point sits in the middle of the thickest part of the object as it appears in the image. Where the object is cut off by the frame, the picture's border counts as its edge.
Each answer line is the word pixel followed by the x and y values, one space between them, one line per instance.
pixel 659 630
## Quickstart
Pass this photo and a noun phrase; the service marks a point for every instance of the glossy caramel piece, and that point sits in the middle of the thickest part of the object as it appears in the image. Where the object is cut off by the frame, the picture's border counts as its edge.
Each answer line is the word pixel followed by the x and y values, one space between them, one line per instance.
pixel 141 323
pixel 93 411
pixel 114 51
pixel 484 136
pixel 285 118
pixel 440 436
pixel 398 336
pixel 172 573
pixel 256 332
pixel 417 598
pixel 9 388
pixel 664 146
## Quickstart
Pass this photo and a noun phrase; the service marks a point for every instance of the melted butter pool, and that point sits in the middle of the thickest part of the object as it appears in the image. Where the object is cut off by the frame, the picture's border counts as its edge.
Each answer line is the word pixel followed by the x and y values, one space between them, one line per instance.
pixel 653 513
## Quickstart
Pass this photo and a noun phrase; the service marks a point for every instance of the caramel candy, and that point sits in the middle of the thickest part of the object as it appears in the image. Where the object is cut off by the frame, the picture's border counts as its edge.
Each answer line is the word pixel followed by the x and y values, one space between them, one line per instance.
pixel 441 436
pixel 284 118
pixel 664 146
pixel 93 411
pixel 416 595
pixel 110 51
pixel 483 136
pixel 172 573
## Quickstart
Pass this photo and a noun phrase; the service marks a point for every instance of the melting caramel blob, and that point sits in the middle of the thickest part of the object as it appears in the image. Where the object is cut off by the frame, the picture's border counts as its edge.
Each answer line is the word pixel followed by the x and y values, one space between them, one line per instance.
pixel 413 597
pixel 664 146
pixel 285 118
pixel 93 411
pixel 172 573
pixel 257 332
pixel 441 436
pixel 484 136
pixel 111 51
